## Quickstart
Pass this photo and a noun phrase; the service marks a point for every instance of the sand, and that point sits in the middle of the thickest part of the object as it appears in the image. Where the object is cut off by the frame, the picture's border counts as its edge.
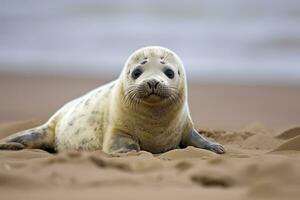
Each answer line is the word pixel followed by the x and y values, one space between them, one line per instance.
pixel 261 162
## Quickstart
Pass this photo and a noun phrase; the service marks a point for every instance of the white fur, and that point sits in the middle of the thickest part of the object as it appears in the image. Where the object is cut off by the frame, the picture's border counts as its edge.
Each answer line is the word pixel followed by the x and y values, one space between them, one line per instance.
pixel 89 122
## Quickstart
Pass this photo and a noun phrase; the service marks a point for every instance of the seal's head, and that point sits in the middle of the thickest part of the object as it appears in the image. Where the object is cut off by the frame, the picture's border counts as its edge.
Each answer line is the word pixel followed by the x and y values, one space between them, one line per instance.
pixel 154 75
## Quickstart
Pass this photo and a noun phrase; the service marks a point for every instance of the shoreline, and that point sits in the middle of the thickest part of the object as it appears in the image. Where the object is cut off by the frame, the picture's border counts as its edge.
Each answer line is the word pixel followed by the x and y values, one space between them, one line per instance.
pixel 215 106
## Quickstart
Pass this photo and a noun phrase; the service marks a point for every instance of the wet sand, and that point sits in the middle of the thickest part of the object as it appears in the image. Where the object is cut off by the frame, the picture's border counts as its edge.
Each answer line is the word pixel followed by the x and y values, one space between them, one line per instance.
pixel 262 159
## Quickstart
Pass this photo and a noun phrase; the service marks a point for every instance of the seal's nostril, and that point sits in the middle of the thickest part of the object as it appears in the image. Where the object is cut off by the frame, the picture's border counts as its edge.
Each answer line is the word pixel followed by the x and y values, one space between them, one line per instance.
pixel 155 85
pixel 152 84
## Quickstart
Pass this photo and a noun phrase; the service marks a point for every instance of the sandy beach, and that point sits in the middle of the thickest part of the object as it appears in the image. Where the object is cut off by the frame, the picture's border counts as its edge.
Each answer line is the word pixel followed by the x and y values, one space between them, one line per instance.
pixel 242 64
pixel 257 125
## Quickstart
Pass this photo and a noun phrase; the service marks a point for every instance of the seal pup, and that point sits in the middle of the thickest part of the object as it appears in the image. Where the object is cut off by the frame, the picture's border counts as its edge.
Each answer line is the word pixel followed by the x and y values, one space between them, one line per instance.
pixel 144 109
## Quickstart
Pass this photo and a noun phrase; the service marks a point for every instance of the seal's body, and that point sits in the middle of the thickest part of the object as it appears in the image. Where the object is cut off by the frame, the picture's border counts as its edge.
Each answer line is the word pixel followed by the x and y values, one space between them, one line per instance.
pixel 144 109
pixel 82 123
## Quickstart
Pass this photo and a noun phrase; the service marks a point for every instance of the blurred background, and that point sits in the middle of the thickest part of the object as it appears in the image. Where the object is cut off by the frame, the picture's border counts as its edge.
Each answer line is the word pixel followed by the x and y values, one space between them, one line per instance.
pixel 242 57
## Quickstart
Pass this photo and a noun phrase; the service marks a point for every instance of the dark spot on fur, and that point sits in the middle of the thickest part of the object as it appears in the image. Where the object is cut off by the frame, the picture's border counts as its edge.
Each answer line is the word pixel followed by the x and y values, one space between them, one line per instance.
pixel 162 62
pixel 87 102
pixel 44 130
pixel 111 86
pixel 77 131
pixel 91 120
pixel 84 141
pixel 71 123
pixel 82 100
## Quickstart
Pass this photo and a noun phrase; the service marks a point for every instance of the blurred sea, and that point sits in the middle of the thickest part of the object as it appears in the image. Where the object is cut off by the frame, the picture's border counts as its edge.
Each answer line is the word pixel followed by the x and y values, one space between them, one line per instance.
pixel 244 41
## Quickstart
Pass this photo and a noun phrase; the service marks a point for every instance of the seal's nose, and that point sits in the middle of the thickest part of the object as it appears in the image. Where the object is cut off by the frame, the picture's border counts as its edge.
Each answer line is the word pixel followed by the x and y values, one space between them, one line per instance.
pixel 152 84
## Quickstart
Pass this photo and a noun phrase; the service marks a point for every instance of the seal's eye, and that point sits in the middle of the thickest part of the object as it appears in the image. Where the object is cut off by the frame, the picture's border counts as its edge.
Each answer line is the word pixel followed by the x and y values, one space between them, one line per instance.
pixel 136 73
pixel 169 73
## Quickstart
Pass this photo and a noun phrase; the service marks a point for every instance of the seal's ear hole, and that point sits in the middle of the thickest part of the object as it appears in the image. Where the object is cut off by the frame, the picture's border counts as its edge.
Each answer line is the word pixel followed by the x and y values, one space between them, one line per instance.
pixel 178 72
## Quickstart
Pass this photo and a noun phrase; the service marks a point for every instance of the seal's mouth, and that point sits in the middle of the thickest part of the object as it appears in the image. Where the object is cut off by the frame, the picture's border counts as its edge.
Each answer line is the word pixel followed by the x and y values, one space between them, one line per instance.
pixel 142 94
pixel 152 97
pixel 152 93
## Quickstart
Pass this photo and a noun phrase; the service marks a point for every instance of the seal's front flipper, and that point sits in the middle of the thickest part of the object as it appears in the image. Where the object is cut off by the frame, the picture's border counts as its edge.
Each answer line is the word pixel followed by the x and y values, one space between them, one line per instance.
pixel 197 140
pixel 11 146
pixel 36 138
pixel 121 144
